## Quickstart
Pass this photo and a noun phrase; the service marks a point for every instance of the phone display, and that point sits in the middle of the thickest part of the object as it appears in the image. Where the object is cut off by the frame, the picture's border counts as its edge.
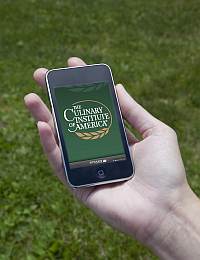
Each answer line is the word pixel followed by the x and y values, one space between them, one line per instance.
pixel 89 125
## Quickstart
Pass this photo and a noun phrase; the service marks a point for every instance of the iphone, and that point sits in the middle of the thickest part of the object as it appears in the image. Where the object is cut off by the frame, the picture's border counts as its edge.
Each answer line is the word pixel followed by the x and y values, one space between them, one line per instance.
pixel 89 125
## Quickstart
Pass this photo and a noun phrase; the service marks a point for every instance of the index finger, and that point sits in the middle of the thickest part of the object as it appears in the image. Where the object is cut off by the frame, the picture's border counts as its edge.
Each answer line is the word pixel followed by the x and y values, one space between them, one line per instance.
pixel 39 77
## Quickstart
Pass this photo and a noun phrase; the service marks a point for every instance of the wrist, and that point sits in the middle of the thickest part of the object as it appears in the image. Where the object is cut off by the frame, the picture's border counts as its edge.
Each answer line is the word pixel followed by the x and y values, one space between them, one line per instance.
pixel 179 226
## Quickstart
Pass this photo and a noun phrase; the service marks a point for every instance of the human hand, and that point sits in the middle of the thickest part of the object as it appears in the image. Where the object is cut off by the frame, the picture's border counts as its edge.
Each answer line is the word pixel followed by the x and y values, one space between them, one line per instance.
pixel 137 206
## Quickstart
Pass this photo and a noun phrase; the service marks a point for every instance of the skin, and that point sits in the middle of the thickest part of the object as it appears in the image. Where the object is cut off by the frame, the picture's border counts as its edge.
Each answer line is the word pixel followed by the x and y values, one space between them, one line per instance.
pixel 151 206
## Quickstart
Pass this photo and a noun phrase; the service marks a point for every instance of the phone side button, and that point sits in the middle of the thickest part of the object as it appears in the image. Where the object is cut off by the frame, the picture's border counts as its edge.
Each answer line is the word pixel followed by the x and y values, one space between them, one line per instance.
pixel 101 174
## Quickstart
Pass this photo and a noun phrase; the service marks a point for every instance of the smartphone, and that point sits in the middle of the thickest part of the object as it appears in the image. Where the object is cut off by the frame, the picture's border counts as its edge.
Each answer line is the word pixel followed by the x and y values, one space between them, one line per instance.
pixel 89 125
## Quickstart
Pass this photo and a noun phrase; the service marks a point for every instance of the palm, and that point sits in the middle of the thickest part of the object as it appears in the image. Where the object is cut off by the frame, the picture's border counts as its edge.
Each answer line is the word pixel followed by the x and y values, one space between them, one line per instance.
pixel 135 206
pixel 135 203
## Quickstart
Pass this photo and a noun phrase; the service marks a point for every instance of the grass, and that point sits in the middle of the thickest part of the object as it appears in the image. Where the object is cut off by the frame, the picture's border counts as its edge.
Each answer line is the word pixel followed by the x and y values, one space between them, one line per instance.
pixel 153 48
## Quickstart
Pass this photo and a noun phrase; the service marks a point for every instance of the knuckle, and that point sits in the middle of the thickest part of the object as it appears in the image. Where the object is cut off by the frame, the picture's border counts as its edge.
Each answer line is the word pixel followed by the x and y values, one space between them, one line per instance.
pixel 172 131
pixel 169 130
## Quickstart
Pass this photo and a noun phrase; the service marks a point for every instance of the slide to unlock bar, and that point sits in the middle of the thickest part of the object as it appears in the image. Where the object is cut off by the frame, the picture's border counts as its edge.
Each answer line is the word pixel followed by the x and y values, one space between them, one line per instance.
pixel 98 161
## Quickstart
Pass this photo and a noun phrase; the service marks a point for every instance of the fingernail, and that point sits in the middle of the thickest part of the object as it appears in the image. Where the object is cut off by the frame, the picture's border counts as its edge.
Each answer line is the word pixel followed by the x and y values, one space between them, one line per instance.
pixel 120 85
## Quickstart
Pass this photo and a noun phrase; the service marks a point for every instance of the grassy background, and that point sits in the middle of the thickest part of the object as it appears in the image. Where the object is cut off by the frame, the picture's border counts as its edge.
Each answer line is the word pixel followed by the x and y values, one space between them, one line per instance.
pixel 153 48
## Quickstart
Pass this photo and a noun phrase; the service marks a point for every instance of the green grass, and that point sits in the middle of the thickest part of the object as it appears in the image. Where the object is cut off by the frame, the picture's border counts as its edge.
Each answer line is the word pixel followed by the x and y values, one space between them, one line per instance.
pixel 153 48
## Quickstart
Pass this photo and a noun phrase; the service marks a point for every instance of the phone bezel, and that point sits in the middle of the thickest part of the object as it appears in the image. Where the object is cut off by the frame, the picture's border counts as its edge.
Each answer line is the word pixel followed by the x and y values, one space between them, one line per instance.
pixel 87 176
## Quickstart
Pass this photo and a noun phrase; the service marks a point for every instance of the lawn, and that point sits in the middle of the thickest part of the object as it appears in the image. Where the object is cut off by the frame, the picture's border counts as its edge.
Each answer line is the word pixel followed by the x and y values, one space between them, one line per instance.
pixel 153 48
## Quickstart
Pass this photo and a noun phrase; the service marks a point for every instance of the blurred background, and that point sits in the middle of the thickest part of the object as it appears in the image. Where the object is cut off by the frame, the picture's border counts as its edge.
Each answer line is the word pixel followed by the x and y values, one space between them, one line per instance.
pixel 153 48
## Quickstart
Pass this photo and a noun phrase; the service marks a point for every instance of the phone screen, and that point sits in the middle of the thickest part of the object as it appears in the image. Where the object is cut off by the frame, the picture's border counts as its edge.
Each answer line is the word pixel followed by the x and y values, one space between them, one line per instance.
pixel 89 124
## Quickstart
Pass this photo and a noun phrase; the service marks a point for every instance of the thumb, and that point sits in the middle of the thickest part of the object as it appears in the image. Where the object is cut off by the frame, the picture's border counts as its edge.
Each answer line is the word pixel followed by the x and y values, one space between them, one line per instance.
pixel 135 114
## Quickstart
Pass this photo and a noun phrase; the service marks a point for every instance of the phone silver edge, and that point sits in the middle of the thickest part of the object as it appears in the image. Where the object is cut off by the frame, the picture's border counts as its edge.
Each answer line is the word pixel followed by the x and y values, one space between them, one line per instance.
pixel 57 132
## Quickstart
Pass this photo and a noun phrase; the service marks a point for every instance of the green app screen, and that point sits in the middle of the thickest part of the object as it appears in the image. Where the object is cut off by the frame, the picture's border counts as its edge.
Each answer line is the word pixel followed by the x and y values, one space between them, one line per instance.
pixel 89 124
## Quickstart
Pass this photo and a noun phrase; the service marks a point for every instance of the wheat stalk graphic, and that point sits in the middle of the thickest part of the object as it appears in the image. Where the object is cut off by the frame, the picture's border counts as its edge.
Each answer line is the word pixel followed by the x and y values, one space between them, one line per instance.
pixel 93 135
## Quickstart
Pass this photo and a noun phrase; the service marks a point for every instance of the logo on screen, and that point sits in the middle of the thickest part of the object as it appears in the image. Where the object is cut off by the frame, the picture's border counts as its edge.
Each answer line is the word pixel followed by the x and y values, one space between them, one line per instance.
pixel 88 119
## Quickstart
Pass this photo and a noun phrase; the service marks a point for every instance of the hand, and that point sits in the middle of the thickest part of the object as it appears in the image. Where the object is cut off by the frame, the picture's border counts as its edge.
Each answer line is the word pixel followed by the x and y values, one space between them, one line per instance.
pixel 137 206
